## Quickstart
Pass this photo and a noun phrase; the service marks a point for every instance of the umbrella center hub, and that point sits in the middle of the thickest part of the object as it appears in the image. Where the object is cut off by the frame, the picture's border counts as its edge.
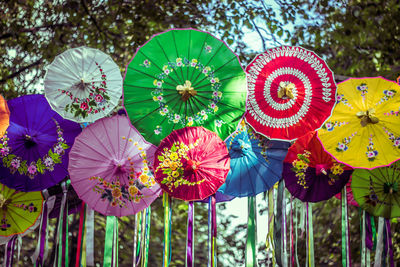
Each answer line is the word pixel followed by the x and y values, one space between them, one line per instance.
pixel 119 168
pixel 367 117
pixel 28 141
pixel 82 85
pixel 390 188
pixel 192 165
pixel 285 90
pixel 186 90
pixel 4 202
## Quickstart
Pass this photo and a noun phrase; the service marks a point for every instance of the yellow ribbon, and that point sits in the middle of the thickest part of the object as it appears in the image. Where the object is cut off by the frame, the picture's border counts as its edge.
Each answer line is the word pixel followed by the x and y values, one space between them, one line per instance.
pixel 367 117
pixel 186 90
pixel 285 90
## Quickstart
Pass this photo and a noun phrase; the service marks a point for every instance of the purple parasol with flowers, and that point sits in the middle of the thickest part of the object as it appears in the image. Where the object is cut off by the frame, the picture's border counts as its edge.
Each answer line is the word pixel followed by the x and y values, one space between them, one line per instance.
pixel 34 149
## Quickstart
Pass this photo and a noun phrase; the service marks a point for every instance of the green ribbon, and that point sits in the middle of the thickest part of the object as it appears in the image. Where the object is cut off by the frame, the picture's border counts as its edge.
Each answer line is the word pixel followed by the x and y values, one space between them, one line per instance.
pixel 373 231
pixel 147 236
pixel 310 236
pixel 278 225
pixel 251 259
pixel 363 234
pixel 379 246
pixel 167 229
pixel 111 242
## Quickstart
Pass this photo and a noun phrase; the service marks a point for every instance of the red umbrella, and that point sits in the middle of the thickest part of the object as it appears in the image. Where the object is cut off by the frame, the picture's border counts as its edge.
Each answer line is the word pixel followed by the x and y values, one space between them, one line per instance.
pixel 191 163
pixel 310 173
pixel 291 91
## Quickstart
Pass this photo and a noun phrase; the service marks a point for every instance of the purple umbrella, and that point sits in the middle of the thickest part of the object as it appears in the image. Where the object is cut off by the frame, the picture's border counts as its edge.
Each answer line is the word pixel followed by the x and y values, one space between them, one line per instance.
pixel 34 150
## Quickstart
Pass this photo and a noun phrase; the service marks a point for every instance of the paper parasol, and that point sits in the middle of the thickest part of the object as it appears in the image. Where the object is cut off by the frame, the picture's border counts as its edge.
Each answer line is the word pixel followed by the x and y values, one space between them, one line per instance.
pixel 291 91
pixel 184 77
pixel 4 116
pixel 256 163
pixel 365 122
pixel 18 210
pixel 83 84
pixel 377 191
pixel 191 163
pixel 310 173
pixel 110 168
pixel 34 150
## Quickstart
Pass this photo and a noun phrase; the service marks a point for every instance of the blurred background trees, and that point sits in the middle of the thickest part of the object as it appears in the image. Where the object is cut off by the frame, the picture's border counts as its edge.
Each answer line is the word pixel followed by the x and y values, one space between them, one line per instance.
pixel 356 38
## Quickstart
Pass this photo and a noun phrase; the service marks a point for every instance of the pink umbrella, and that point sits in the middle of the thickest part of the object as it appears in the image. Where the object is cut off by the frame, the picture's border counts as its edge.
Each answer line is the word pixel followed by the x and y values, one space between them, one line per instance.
pixel 109 168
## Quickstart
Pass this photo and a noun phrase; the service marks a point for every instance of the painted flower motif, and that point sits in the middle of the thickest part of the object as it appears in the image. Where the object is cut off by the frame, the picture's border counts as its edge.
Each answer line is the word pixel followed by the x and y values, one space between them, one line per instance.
pixel 59 149
pixel 160 98
pixel 4 151
pixel 363 88
pixel 208 48
pixel 396 142
pixel 179 62
pixel 146 63
pixel 218 123
pixel 329 126
pixel 15 163
pixel 371 153
pixel 342 147
pixel 84 106
pixel 157 83
pixel 32 170
pixel 158 130
pixel 133 190
pixel 173 156
pixel 48 162
pixel 193 63
pixel 116 192
pixel 206 70
pixel 98 98
pixel 390 93
pixel 144 178
pixel 300 166
pixel 337 169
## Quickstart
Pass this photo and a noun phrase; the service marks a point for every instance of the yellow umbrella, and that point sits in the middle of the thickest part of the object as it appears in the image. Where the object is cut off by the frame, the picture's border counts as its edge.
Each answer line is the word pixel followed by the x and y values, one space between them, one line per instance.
pixel 364 130
pixel 18 210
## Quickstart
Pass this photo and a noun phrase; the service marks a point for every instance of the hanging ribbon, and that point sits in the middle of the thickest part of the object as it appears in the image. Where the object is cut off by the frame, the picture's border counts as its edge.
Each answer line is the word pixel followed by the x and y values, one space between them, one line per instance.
pixel 345 232
pixel 142 237
pixel 270 224
pixel 296 227
pixel 370 240
pixel 89 236
pixel 379 246
pixel 284 226
pixel 135 234
pixel 251 259
pixel 81 234
pixel 310 234
pixel 167 229
pixel 41 251
pixel 209 233
pixel 190 237
pixel 213 231
pixel 61 249
pixel 111 243
pixel 147 236
pixel 278 225
pixel 291 254
pixel 389 242
pixel 9 252
pixel 362 230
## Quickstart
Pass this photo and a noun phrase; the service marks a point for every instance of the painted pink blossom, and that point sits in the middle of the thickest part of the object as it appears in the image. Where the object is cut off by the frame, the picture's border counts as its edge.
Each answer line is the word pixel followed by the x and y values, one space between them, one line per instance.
pixel 98 98
pixel 84 106
pixel 32 169
pixel 58 149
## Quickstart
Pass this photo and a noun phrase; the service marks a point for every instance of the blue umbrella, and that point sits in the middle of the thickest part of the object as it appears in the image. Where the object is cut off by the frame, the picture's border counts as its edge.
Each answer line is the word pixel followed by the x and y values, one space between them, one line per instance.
pixel 256 163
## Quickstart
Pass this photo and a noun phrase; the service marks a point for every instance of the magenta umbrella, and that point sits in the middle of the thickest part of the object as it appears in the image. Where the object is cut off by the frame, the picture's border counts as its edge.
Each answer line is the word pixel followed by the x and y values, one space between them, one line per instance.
pixel 109 168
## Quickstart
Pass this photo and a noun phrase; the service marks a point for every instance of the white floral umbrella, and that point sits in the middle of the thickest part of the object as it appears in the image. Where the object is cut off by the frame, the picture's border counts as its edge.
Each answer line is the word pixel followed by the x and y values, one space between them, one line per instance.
pixel 83 84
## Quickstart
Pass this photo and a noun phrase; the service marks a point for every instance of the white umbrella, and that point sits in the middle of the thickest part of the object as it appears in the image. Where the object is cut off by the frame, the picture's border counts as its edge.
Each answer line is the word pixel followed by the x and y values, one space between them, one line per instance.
pixel 83 84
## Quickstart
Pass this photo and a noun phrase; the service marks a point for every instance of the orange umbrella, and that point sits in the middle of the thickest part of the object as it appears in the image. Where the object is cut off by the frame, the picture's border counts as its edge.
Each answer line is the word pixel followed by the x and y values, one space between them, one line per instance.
pixel 4 116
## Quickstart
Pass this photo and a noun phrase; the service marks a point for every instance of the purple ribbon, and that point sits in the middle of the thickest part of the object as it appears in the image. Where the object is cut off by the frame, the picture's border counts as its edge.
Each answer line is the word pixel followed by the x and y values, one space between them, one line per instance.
pixel 368 233
pixel 189 244
pixel 389 241
pixel 40 259
pixel 64 234
pixel 10 251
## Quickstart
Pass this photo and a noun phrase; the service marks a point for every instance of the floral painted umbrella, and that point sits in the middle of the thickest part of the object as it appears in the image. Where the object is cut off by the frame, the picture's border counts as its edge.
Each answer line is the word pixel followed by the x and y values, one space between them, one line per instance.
pixel 291 92
pixel 18 210
pixel 184 77
pixel 4 116
pixel 256 163
pixel 110 168
pixel 34 150
pixel 310 173
pixel 364 130
pixel 83 84
pixel 191 163
pixel 377 191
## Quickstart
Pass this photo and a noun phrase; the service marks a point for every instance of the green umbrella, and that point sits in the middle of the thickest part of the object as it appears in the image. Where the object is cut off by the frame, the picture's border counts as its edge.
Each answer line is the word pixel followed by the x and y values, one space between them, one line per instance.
pixel 184 77
pixel 377 191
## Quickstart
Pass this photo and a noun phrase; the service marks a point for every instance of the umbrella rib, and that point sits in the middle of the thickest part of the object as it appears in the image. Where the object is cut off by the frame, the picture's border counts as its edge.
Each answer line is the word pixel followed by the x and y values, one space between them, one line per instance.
pixel 166 56
pixel 232 107
pixel 205 77
pixel 109 140
pixel 212 57
pixel 145 73
pixel 201 51
pixel 157 65
pixel 376 176
pixel 188 54
pixel 177 54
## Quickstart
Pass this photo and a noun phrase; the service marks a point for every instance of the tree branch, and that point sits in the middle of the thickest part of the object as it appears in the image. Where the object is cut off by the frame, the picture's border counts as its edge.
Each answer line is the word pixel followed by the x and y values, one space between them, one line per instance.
pixel 36 63
pixel 33 29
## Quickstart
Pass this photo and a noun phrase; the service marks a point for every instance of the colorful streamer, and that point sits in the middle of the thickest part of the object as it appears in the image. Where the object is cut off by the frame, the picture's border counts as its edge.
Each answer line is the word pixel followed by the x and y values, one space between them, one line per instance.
pixel 251 253
pixel 167 229
pixel 111 243
pixel 190 236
